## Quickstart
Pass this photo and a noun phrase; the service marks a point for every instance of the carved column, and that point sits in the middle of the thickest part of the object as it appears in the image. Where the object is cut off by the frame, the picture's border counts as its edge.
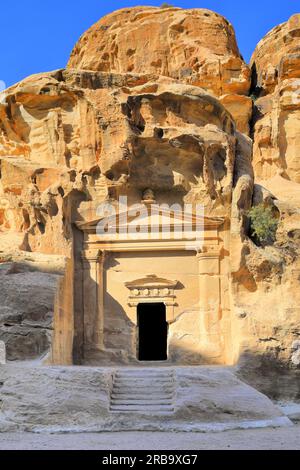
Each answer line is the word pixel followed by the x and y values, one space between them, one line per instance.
pixel 101 287
pixel 210 302
pixel 93 299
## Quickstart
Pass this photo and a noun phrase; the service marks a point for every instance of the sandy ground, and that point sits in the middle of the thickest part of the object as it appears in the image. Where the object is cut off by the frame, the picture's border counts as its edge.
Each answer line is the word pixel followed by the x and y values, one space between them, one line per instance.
pixel 259 439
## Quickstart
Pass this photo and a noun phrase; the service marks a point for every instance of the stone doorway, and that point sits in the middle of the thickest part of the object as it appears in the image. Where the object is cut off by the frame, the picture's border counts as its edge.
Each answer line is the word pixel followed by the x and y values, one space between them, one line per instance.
pixel 152 332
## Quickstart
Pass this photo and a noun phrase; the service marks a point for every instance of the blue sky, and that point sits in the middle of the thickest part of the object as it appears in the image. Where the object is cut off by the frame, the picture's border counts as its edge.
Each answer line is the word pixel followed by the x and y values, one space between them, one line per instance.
pixel 38 36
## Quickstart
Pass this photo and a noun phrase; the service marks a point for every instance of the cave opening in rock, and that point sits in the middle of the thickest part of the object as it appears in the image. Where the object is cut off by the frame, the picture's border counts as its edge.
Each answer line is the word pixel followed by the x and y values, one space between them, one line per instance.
pixel 219 165
pixel 152 332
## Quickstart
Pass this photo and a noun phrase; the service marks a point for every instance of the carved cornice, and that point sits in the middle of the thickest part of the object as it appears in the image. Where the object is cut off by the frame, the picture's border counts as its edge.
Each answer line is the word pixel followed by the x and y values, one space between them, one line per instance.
pixel 151 282
pixel 151 289
pixel 209 223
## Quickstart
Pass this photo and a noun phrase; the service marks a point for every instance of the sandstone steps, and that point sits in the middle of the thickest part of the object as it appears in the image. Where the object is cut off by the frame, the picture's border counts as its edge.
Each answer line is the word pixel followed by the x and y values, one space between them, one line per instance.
pixel 145 391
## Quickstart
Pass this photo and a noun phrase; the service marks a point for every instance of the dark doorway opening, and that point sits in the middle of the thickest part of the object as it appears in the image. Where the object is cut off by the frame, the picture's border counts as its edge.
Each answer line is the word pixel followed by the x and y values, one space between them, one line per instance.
pixel 153 332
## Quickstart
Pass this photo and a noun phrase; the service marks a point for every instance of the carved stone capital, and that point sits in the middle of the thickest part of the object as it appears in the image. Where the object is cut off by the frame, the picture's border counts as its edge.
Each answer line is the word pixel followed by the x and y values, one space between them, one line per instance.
pixel 209 251
pixel 91 256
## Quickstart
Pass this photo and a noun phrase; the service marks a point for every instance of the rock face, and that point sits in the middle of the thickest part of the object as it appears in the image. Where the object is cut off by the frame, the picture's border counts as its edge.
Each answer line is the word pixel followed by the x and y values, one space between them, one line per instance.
pixel 46 135
pixel 272 274
pixel 154 106
pixel 196 47
pixel 26 311
pixel 86 131
pixel 276 83
pixel 58 399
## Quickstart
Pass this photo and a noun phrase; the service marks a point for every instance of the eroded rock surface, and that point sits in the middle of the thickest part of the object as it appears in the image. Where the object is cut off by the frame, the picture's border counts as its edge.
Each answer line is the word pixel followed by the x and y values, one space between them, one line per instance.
pixel 132 131
pixel 276 84
pixel 196 46
pixel 77 400
pixel 26 310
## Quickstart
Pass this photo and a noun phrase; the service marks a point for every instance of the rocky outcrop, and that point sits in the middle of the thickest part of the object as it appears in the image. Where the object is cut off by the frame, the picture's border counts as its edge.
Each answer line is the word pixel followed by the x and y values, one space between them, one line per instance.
pixel 265 281
pixel 88 130
pixel 276 88
pixel 65 400
pixel 46 137
pixel 197 47
pixel 26 310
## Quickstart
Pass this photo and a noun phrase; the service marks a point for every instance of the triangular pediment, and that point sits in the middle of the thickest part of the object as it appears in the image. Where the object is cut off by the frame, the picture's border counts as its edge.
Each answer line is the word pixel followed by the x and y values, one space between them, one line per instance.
pixel 156 218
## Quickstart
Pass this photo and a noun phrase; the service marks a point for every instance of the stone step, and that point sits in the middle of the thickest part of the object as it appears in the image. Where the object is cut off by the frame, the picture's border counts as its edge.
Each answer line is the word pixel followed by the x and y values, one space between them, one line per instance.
pixel 134 380
pixel 140 385
pixel 158 371
pixel 146 402
pixel 135 392
pixel 143 391
pixel 142 395
pixel 143 382
pixel 144 372
pixel 142 408
pixel 143 375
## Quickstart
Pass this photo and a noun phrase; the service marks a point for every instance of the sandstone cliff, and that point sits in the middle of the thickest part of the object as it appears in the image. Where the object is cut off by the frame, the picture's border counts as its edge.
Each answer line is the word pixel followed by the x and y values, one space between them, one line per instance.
pixel 270 277
pixel 160 98
pixel 196 46
pixel 276 73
